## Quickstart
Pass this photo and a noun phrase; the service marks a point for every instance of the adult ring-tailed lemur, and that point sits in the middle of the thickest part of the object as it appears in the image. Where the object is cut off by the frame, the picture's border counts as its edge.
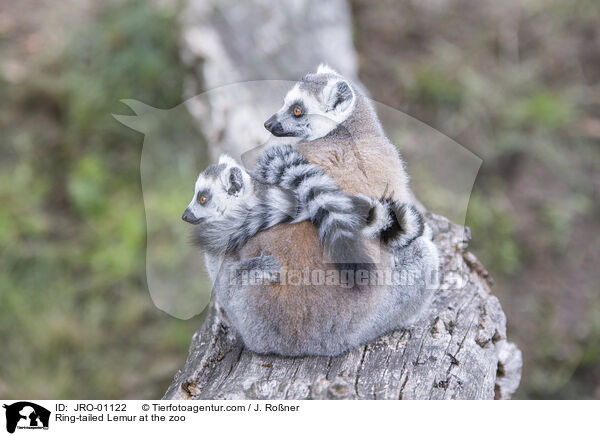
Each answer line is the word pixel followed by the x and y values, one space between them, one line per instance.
pixel 301 199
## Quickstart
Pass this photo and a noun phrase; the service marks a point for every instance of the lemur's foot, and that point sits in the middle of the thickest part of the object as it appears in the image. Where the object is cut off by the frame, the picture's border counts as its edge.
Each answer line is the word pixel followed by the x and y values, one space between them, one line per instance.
pixel 344 241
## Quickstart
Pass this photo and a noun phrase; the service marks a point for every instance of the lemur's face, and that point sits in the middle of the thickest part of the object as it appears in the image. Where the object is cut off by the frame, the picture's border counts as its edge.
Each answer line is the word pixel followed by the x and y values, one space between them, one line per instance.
pixel 219 188
pixel 315 106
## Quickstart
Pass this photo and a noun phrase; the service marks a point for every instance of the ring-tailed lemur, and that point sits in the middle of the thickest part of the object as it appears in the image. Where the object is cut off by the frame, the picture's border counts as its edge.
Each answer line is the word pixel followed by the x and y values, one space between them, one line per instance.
pixel 339 132
pixel 232 207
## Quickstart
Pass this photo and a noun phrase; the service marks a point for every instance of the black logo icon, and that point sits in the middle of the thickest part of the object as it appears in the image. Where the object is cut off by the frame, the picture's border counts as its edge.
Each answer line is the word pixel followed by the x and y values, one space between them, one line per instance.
pixel 26 415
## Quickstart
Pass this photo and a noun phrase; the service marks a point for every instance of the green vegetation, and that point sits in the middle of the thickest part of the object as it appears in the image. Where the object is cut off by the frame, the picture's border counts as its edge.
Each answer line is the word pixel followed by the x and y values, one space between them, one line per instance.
pixel 75 314
pixel 430 86
pixel 514 82
pixel 544 110
pixel 517 84
pixel 500 247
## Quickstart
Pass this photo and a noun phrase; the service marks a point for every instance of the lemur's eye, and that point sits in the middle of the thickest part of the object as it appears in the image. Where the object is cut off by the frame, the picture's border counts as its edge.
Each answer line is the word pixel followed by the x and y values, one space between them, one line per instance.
pixel 202 199
pixel 297 111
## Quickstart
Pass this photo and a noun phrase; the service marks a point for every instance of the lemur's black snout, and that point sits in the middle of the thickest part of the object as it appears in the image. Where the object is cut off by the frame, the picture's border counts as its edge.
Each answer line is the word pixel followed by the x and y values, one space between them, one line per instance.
pixel 277 130
pixel 271 122
pixel 189 217
pixel 274 126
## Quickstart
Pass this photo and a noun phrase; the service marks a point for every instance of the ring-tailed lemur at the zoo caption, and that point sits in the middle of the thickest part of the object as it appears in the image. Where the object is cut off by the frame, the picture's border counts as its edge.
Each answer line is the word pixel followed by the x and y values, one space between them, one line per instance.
pixel 327 191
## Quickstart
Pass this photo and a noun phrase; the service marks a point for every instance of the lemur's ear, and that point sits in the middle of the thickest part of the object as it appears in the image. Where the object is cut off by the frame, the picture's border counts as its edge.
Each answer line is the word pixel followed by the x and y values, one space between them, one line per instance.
pixel 338 96
pixel 226 159
pixel 235 181
pixel 323 68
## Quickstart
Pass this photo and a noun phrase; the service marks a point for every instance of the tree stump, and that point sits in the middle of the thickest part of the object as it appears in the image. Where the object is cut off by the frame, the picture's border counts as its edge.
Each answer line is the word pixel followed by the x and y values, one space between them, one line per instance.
pixel 458 350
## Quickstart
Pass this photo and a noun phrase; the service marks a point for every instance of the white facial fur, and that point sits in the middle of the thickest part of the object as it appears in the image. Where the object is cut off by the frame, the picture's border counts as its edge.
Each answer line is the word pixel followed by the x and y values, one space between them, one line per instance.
pixel 217 188
pixel 322 114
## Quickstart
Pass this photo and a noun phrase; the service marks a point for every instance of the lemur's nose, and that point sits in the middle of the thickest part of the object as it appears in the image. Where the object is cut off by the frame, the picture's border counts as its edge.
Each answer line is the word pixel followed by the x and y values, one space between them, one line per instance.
pixel 270 123
pixel 188 216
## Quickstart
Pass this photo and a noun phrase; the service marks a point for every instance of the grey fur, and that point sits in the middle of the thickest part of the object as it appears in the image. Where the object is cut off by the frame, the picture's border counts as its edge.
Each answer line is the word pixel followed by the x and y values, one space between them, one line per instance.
pixel 313 83
pixel 213 171
pixel 335 319
pixel 330 319
pixel 227 234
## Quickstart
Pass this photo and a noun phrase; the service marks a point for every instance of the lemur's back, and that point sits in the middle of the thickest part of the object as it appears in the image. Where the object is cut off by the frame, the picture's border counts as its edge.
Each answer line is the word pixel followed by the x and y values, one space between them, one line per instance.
pixel 304 309
pixel 368 165
pixel 301 305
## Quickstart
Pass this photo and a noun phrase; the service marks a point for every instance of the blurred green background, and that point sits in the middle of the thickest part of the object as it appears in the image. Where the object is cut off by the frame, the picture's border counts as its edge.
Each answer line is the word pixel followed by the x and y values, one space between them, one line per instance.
pixel 520 88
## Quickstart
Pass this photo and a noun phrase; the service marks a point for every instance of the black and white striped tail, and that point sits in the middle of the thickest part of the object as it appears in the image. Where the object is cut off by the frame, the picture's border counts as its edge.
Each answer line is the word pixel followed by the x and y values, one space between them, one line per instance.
pixel 406 224
pixel 338 217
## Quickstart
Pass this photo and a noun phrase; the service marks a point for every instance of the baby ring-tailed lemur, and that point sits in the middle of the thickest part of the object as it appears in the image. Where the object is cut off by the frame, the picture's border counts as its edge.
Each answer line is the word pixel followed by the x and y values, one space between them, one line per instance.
pixel 233 206
pixel 338 131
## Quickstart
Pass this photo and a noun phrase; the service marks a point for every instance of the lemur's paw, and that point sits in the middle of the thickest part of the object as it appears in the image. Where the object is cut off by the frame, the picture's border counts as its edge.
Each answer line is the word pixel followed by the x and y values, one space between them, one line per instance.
pixel 407 224
pixel 271 269
pixel 355 275
pixel 354 268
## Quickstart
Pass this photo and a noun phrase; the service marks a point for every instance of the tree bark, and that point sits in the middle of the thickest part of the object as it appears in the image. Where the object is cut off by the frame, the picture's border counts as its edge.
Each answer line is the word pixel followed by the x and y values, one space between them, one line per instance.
pixel 229 41
pixel 458 350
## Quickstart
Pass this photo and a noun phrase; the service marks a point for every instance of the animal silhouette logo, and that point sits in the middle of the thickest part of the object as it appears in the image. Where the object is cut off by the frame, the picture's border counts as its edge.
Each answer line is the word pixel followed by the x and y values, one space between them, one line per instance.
pixel 26 415
pixel 172 156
